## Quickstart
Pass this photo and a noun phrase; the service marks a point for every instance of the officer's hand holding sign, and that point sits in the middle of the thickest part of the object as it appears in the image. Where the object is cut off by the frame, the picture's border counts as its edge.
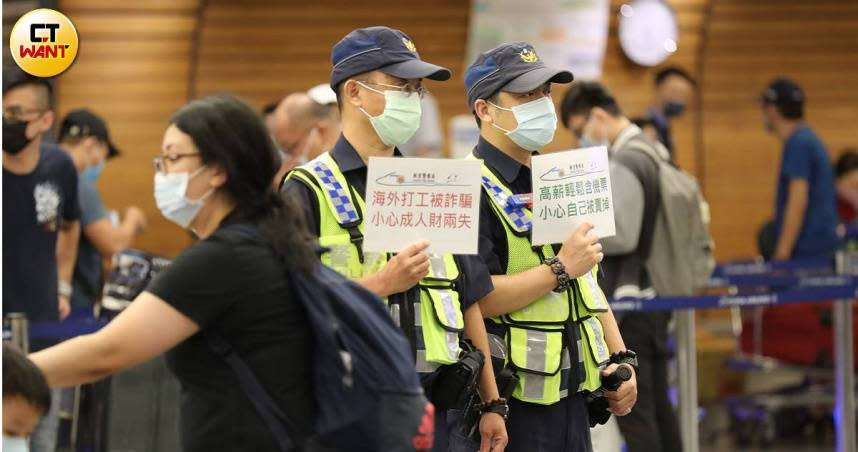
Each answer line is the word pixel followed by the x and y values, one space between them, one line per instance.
pixel 404 270
pixel 581 251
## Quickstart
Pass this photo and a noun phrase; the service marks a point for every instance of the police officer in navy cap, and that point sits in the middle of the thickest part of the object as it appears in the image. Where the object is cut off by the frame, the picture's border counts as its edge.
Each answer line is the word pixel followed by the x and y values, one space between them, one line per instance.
pixel 559 332
pixel 377 76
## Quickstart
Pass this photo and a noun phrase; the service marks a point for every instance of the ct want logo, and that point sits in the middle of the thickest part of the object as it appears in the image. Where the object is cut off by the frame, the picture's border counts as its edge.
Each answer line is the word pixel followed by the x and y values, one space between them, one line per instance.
pixel 529 56
pixel 409 45
pixel 44 42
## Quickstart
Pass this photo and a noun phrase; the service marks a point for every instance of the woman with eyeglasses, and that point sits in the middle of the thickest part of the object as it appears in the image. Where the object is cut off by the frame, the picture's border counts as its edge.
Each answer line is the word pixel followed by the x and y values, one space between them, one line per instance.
pixel 214 170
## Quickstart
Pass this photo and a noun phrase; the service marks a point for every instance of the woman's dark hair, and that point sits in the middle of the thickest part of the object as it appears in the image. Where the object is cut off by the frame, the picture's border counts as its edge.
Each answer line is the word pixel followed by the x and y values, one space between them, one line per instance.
pixel 21 378
pixel 846 163
pixel 230 134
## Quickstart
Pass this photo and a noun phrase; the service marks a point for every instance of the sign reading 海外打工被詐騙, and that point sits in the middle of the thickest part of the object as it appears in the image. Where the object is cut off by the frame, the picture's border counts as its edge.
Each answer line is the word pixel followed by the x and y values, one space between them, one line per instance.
pixel 409 199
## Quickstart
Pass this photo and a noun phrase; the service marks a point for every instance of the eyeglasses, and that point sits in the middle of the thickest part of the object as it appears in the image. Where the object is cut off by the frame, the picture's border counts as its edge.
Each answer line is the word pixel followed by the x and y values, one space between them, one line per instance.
pixel 160 162
pixel 16 112
pixel 407 88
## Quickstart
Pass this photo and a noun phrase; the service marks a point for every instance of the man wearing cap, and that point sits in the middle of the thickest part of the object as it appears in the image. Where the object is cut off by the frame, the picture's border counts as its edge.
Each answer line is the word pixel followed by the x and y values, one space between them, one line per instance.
pixel 377 75
pixel 84 137
pixel 805 215
pixel 558 327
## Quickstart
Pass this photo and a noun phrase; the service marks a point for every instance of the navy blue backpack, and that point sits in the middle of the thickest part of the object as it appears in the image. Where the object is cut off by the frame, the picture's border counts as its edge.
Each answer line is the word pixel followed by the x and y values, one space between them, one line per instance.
pixel 368 395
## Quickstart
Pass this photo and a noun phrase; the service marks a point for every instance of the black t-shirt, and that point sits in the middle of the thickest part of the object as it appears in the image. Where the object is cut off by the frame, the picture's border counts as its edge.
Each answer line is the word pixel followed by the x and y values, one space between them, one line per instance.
pixel 475 281
pixel 239 290
pixel 34 207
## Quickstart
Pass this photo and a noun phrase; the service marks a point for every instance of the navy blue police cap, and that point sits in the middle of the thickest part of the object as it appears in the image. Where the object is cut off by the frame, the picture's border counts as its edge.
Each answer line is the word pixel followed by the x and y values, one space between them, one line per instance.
pixel 513 67
pixel 380 48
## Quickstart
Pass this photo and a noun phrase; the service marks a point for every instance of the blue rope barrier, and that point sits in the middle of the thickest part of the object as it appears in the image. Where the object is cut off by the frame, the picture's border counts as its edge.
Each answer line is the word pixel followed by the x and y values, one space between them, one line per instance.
pixel 78 323
pixel 780 281
pixel 806 295
pixel 815 265
pixel 802 289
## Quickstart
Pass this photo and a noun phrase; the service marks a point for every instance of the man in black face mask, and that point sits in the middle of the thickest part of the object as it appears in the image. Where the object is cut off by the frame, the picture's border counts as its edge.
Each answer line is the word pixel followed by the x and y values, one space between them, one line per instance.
pixel 674 89
pixel 41 224
pixel 40 205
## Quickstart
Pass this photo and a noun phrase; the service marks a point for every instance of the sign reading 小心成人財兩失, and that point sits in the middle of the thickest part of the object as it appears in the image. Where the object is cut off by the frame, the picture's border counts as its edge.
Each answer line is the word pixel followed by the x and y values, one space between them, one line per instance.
pixel 408 199
pixel 570 188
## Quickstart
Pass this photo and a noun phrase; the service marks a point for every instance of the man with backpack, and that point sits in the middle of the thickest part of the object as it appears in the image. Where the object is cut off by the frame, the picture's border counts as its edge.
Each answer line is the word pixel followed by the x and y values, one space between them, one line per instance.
pixel 592 114
pixel 377 75
pixel 546 309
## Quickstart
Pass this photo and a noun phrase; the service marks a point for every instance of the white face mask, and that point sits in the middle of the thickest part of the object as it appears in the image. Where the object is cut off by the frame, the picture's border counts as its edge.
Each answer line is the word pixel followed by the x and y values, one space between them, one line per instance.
pixel 400 119
pixel 587 141
pixel 15 444
pixel 170 191
pixel 537 122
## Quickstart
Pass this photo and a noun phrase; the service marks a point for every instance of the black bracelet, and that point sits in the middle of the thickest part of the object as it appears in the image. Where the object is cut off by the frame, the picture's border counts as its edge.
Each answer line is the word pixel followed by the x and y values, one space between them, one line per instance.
pixel 497 406
pixel 625 357
pixel 564 281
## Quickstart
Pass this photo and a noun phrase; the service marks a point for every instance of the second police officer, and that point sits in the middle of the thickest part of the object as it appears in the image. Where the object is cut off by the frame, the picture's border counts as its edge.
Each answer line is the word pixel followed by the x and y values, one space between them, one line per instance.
pixel 560 333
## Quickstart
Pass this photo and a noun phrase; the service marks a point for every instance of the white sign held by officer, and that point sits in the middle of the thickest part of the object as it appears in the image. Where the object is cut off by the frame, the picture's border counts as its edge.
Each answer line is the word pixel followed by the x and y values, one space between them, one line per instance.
pixel 570 188
pixel 408 199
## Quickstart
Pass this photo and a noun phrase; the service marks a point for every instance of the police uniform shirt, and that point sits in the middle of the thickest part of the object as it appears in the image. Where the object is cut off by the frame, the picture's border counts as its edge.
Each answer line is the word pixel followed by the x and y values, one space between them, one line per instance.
pixel 475 280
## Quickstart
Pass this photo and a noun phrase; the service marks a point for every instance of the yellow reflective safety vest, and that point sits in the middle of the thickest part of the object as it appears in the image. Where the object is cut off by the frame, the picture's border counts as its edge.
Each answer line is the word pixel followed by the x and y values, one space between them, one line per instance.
pixel 536 335
pixel 435 321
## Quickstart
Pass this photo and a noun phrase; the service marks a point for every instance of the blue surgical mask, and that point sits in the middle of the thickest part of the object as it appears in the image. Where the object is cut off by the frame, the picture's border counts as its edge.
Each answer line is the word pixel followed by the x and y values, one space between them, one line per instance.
pixel 15 444
pixel 170 196
pixel 673 109
pixel 537 122
pixel 400 119
pixel 91 173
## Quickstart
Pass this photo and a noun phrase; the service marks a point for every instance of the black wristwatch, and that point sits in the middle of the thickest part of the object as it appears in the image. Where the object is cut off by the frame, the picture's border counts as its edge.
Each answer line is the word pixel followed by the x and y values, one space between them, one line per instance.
pixel 497 406
pixel 563 278
pixel 625 357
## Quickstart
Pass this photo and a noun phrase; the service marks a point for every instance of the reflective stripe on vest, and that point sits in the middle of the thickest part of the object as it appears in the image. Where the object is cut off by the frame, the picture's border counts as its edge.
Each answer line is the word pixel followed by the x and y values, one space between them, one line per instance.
pixel 594 352
pixel 438 319
pixel 518 217
pixel 335 235
pixel 339 199
pixel 536 339
pixel 440 303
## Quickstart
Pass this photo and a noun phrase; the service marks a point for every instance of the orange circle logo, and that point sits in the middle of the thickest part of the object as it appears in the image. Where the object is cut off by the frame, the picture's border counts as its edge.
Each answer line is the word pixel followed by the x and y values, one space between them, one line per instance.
pixel 44 42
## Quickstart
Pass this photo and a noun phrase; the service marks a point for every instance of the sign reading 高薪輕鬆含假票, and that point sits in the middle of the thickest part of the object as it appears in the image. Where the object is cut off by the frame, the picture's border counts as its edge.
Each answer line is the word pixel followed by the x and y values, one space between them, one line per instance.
pixel 408 199
pixel 571 188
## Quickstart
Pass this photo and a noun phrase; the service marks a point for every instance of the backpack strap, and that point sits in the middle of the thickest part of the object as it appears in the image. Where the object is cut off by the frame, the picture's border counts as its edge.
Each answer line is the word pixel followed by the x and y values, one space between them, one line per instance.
pixel 276 421
pixel 274 418
pixel 654 150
